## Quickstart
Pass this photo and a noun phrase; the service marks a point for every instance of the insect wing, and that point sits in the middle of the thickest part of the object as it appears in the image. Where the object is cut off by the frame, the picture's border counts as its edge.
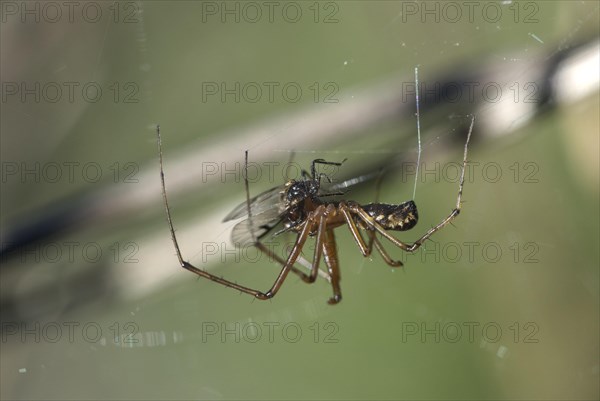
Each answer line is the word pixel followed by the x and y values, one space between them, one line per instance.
pixel 246 232
pixel 265 202
pixel 347 184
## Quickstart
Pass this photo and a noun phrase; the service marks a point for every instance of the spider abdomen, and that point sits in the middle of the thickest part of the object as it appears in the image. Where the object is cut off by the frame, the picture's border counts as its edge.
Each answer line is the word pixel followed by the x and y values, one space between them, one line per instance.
pixel 400 217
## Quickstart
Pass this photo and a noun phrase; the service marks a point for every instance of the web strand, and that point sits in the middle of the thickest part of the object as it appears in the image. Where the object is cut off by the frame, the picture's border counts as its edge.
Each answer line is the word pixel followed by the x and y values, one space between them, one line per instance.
pixel 418 130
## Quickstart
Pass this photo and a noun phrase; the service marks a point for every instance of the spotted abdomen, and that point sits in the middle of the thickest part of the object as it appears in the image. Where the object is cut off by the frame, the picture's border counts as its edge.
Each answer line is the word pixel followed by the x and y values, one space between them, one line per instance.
pixel 400 217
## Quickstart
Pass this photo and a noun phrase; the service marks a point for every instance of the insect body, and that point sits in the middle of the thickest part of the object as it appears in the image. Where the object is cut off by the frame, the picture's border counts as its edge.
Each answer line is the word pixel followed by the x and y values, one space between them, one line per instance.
pixel 301 208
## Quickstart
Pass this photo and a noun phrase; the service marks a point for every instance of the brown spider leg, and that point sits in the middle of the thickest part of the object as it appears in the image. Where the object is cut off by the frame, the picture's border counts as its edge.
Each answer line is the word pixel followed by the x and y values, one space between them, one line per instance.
pixel 364 216
pixel 304 262
pixel 257 243
pixel 360 241
pixel 294 269
pixel 308 266
pixel 364 248
pixel 386 257
pixel 372 235
pixel 296 250
pixel 319 245
pixel 314 269
pixel 183 263
pixel 324 244
pixel 333 266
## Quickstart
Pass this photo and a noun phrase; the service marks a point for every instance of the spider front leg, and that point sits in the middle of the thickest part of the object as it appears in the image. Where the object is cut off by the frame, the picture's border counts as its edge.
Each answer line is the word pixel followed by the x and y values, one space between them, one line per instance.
pixel 324 247
pixel 316 217
pixel 294 254
pixel 287 265
pixel 183 263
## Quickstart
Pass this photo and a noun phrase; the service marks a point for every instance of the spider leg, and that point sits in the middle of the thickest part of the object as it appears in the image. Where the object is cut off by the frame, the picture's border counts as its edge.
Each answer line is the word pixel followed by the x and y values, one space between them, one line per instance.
pixel 308 265
pixel 360 241
pixel 294 254
pixel 371 233
pixel 183 263
pixel 386 257
pixel 362 245
pixel 333 266
pixel 318 250
pixel 287 265
pixel 373 225
pixel 257 242
pixel 324 246
pixel 314 266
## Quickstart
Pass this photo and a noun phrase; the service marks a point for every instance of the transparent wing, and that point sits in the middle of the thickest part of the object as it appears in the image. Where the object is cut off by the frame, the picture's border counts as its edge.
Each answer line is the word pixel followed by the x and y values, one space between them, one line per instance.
pixel 246 232
pixel 266 202
pixel 266 214
pixel 347 184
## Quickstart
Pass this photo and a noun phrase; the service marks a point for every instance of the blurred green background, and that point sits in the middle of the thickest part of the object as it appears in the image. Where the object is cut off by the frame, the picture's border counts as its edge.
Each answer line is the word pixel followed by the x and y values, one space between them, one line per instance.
pixel 142 328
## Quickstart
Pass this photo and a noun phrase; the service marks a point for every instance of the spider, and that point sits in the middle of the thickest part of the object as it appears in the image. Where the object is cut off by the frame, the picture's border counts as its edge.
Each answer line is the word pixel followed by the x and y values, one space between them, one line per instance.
pixel 303 209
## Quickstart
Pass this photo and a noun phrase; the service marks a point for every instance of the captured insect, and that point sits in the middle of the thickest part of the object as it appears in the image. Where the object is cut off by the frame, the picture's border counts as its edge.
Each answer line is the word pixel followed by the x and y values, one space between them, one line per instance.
pixel 302 208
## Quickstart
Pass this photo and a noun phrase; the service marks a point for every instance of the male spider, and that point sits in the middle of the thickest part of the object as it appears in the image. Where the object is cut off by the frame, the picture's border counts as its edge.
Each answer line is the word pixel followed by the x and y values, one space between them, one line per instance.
pixel 302 209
